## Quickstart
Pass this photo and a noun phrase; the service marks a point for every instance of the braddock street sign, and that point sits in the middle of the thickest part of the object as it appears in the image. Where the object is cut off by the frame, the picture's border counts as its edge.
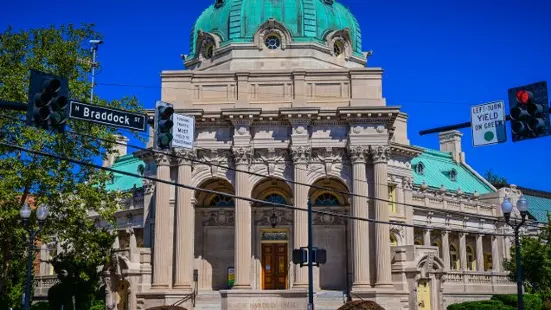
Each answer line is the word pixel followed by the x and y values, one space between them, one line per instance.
pixel 107 116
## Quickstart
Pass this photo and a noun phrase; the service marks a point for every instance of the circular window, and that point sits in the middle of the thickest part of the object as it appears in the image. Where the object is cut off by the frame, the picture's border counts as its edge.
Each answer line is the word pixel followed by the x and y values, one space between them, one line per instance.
pixel 208 50
pixel 272 42
pixel 338 48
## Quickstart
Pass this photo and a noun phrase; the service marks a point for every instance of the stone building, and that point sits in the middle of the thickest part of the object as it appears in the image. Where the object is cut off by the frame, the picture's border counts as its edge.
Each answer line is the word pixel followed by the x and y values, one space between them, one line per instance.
pixel 288 111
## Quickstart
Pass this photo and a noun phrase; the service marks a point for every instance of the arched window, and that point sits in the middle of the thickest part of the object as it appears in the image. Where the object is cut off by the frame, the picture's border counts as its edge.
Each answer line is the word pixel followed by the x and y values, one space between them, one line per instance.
pixel 276 198
pixel 393 240
pixel 454 258
pixel 326 199
pixel 338 48
pixel 420 168
pixel 453 175
pixel 273 41
pixel 222 201
pixel 471 262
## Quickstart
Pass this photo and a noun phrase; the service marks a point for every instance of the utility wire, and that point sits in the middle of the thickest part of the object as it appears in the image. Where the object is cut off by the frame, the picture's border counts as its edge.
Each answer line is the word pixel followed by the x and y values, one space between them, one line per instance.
pixel 82 163
pixel 436 210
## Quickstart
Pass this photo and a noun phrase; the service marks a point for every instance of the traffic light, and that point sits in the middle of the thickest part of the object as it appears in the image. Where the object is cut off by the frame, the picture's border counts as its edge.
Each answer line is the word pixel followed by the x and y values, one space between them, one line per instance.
pixel 48 98
pixel 300 256
pixel 163 125
pixel 529 111
pixel 319 256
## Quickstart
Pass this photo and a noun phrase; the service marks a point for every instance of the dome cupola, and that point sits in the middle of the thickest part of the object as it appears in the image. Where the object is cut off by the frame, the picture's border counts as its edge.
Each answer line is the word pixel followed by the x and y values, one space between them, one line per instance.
pixel 277 25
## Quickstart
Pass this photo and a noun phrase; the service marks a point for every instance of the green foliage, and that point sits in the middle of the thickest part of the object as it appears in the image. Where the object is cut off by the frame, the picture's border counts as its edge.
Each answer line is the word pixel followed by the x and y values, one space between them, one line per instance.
pixel 531 301
pixel 40 306
pixel 481 305
pixel 495 179
pixel 536 262
pixel 70 191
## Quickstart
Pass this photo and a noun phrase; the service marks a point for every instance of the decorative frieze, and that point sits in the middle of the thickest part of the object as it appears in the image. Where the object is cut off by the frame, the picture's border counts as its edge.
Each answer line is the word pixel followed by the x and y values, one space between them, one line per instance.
pixel 242 155
pixel 379 154
pixel 218 218
pixel 301 154
pixel 264 217
pixel 184 156
pixel 329 219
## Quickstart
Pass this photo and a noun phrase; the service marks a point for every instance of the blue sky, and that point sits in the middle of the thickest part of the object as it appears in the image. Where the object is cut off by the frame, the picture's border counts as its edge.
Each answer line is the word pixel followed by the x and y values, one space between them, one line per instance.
pixel 439 57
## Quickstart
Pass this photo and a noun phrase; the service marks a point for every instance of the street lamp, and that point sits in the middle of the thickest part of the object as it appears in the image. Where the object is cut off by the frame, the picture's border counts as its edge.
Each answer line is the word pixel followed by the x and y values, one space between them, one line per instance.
pixel 41 215
pixel 507 207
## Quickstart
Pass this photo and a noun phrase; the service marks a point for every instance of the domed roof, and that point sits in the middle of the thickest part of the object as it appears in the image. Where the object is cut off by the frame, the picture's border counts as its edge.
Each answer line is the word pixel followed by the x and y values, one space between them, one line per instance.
pixel 237 21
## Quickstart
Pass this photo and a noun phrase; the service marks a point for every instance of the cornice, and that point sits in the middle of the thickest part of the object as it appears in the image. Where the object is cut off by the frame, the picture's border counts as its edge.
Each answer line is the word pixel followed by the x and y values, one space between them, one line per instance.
pixel 405 150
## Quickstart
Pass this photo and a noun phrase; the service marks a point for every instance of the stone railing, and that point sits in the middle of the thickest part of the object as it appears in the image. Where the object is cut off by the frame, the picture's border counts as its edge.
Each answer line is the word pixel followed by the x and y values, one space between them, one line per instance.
pixel 484 282
pixel 430 200
pixel 43 284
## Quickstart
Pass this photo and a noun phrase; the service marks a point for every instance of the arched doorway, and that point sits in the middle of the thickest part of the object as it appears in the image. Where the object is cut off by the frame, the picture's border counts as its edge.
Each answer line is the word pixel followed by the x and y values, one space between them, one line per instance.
pixel 214 233
pixel 332 233
pixel 272 229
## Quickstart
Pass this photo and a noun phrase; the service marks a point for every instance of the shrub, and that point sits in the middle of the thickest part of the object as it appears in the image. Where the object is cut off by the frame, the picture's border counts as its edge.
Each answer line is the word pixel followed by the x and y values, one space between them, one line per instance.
pixel 361 305
pixel 531 301
pixel 481 305
pixel 40 306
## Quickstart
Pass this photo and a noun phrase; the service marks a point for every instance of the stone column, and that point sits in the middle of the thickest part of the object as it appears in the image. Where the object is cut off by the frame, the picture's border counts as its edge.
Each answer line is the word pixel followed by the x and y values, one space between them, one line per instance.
pixel 380 155
pixel 360 229
pixel 463 250
pixel 426 237
pixel 162 249
pixel 496 259
pixel 243 220
pixel 301 155
pixel 446 249
pixel 407 185
pixel 185 223
pixel 479 253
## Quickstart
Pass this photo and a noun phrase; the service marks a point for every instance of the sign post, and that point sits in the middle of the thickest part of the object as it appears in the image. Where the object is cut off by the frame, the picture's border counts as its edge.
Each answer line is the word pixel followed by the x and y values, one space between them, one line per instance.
pixel 488 123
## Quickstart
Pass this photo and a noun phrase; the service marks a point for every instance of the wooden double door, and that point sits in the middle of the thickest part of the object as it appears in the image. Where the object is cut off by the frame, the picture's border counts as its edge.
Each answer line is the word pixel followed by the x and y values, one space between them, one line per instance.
pixel 274 266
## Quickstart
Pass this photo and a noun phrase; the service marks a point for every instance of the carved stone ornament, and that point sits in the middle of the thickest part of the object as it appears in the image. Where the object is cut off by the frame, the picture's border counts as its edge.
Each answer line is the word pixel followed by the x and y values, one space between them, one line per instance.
pixel 207 43
pixel 301 154
pixel 263 218
pixel 407 183
pixel 341 37
pixel 162 159
pixel 379 154
pixel 148 186
pixel 329 219
pixel 218 218
pixel 184 156
pixel 357 153
pixel 397 230
pixel 243 155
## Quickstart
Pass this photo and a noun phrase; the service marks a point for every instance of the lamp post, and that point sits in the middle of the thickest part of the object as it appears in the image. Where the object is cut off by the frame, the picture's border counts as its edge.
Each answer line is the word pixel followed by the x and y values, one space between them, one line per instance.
pixel 507 207
pixel 41 215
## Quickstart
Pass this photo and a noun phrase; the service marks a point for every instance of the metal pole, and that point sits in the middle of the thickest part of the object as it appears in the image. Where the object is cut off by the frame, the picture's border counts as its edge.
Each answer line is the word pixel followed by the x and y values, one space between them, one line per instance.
pixel 519 270
pixel 94 49
pixel 27 298
pixel 12 105
pixel 310 260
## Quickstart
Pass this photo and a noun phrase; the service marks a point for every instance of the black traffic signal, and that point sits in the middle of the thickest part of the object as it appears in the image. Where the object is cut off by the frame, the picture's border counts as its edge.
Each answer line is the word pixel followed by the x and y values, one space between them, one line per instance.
pixel 163 125
pixel 48 99
pixel 529 111
pixel 300 256
pixel 319 256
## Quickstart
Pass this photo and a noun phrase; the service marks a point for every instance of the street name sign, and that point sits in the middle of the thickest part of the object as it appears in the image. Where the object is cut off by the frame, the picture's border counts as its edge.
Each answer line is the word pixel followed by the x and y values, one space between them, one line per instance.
pixel 107 116
pixel 488 123
pixel 183 131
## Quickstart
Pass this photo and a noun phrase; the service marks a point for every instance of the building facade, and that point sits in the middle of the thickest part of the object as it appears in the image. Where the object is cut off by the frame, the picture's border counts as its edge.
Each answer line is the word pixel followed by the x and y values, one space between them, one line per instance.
pixel 288 112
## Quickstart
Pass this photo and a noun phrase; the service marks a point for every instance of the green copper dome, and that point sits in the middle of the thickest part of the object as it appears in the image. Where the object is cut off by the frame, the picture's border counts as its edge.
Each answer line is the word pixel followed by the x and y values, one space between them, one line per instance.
pixel 237 21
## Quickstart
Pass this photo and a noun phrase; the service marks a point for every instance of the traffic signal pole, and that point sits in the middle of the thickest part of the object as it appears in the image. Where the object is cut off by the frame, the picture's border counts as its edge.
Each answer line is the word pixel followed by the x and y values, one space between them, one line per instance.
pixel 310 260
pixel 14 106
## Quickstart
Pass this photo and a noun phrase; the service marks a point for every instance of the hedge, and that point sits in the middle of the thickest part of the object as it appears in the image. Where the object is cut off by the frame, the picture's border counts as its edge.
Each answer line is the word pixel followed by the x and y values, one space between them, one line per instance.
pixel 481 305
pixel 531 301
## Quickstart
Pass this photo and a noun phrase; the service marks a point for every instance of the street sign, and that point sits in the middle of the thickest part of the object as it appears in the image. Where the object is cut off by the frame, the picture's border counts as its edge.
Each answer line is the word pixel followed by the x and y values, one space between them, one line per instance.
pixel 107 116
pixel 183 131
pixel 488 123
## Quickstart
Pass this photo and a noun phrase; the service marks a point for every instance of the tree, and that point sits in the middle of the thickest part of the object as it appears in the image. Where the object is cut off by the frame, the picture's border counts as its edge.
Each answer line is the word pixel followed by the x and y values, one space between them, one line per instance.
pixel 495 180
pixel 71 192
pixel 535 256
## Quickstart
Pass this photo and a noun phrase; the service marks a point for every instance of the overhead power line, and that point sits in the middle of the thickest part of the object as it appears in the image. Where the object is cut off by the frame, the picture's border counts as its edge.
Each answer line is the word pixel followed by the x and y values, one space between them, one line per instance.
pixel 82 163
pixel 327 189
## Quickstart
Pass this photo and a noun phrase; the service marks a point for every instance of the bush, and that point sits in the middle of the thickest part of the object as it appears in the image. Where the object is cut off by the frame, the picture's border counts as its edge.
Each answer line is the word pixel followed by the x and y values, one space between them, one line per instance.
pixel 40 306
pixel 531 301
pixel 361 305
pixel 481 305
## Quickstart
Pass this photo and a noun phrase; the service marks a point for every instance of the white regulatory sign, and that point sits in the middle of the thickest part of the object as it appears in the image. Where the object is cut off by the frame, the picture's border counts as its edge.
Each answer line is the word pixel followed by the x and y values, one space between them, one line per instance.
pixel 183 131
pixel 488 123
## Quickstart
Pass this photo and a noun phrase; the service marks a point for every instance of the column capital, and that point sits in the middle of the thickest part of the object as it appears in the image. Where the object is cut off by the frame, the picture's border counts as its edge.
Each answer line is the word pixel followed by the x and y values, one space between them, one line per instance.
pixel 148 186
pixel 301 154
pixel 379 153
pixel 162 159
pixel 184 156
pixel 358 153
pixel 242 154
pixel 407 183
